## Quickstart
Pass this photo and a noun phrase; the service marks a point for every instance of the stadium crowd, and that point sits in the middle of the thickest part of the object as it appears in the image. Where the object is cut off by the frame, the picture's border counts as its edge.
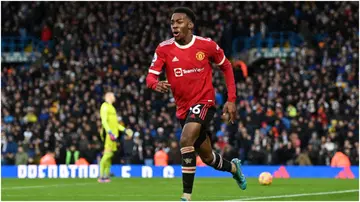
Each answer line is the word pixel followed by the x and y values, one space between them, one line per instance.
pixel 295 111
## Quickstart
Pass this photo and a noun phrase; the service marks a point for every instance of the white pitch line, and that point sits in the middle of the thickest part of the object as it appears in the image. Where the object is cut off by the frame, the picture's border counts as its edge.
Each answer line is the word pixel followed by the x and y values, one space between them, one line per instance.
pixel 45 186
pixel 297 195
pixel 110 195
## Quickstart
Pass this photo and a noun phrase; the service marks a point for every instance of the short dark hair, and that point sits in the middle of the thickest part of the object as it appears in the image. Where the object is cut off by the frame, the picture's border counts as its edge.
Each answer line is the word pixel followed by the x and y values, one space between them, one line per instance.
pixel 187 11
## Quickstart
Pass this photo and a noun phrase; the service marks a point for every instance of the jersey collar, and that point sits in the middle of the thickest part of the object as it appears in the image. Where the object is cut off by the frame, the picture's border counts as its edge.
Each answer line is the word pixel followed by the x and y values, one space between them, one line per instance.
pixel 187 45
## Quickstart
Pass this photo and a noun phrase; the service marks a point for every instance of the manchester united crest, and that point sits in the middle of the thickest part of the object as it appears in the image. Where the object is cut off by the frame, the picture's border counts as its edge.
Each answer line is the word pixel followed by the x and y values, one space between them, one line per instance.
pixel 200 56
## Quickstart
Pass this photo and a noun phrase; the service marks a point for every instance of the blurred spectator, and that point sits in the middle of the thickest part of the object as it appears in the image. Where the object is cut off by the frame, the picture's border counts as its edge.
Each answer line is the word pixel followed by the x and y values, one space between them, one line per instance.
pixel 30 117
pixel 174 154
pixel 11 146
pixel 199 161
pixel 303 158
pixel 11 149
pixel 221 132
pixel 161 158
pixel 21 158
pixel 84 145
pixel 229 153
pixel 128 149
pixel 37 158
pixel 340 160
pixel 72 155
pixel 81 161
pixel 313 155
pixel 46 33
pixel 48 159
pixel 148 157
pixel 3 143
pixel 256 156
pixel 138 150
pixel 7 117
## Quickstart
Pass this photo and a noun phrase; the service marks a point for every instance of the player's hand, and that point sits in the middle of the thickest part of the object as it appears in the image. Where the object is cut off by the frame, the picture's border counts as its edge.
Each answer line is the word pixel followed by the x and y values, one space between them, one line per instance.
pixel 230 108
pixel 162 87
pixel 112 136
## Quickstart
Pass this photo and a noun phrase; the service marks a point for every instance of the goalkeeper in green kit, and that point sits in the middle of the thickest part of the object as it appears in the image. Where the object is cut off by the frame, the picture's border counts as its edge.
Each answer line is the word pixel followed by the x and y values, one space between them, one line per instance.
pixel 109 134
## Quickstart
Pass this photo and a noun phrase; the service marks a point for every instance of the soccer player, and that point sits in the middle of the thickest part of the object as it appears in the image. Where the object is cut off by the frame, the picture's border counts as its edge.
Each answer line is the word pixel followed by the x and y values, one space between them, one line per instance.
pixel 110 129
pixel 186 59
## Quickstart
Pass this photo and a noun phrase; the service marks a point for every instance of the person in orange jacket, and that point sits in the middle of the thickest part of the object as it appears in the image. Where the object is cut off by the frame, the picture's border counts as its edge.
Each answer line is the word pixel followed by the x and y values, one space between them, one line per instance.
pixel 48 159
pixel 81 161
pixel 199 162
pixel 340 160
pixel 161 158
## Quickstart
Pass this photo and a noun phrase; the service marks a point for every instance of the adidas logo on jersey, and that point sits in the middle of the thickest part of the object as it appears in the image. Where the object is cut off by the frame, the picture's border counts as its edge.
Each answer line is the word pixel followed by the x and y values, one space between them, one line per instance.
pixel 175 59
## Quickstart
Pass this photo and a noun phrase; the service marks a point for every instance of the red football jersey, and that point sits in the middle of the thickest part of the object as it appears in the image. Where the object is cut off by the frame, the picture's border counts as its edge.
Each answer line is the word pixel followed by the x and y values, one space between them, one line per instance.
pixel 188 70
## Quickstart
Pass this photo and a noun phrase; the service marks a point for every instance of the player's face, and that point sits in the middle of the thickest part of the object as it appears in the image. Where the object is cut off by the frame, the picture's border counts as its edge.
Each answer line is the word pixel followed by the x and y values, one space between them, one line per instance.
pixel 112 97
pixel 180 25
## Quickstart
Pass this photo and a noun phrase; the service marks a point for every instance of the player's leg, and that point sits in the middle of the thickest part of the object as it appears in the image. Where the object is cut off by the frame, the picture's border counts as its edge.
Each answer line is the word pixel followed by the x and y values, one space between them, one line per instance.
pixel 216 161
pixel 189 135
pixel 104 162
pixel 107 167
pixel 195 120
pixel 109 161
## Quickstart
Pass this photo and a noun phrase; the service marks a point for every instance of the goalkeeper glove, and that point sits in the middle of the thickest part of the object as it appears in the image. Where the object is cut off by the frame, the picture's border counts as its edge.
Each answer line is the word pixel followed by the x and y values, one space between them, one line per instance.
pixel 112 136
pixel 129 132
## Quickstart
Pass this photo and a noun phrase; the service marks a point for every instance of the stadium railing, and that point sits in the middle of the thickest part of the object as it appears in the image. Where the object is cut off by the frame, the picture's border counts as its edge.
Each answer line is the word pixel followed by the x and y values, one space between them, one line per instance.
pixel 28 44
pixel 270 40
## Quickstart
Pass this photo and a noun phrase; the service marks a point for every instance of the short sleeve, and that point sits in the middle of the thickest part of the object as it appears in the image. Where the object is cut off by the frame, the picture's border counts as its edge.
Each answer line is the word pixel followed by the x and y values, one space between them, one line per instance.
pixel 217 53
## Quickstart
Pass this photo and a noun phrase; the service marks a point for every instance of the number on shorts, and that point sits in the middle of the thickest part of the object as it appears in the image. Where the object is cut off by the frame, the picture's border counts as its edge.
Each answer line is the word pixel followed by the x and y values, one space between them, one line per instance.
pixel 196 109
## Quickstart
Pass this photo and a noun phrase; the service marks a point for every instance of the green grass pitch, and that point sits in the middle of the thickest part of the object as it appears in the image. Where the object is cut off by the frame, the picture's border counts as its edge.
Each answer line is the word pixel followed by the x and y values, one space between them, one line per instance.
pixel 159 189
